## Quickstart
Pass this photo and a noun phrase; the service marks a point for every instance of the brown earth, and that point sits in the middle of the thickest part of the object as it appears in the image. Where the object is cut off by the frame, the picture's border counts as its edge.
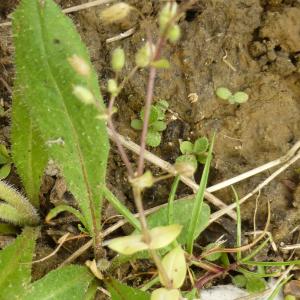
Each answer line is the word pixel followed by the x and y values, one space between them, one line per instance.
pixel 247 45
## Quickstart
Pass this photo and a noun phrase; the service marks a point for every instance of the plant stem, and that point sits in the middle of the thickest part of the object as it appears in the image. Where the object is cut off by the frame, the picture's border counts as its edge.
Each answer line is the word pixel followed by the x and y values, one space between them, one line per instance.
pixel 146 235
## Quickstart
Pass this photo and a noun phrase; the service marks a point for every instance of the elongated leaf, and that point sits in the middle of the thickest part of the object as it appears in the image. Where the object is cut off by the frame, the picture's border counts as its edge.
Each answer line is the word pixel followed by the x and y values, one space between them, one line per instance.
pixel 45 39
pixel 15 265
pixel 70 283
pixel 28 151
pixel 120 291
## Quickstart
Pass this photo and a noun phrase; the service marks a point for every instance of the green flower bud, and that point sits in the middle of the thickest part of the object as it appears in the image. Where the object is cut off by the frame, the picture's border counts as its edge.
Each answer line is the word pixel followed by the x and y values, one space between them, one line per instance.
pixel 174 33
pixel 166 14
pixel 144 55
pixel 118 59
pixel 79 65
pixel 115 13
pixel 112 87
pixel 83 94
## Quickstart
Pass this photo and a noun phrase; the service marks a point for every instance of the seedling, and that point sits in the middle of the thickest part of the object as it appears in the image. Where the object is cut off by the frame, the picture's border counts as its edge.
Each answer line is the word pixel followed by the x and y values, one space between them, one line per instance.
pixel 5 162
pixel 157 123
pixel 193 153
pixel 236 98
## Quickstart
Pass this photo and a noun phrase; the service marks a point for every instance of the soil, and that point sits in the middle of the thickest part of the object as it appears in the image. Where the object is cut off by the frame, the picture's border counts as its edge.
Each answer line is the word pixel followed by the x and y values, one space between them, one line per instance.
pixel 245 45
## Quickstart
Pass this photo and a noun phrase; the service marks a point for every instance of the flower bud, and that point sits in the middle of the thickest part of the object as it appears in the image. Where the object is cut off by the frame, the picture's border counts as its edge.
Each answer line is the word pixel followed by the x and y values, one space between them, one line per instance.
pixel 186 165
pixel 79 65
pixel 144 181
pixel 83 94
pixel 144 55
pixel 174 33
pixel 115 13
pixel 223 93
pixel 166 14
pixel 118 59
pixel 112 87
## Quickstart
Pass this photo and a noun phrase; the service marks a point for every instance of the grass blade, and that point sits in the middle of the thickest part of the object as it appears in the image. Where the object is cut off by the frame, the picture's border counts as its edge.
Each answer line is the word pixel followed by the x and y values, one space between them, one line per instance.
pixel 171 200
pixel 199 201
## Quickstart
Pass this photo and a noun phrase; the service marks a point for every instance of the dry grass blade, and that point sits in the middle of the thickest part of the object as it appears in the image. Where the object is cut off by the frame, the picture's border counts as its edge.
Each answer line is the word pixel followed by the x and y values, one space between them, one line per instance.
pixel 170 169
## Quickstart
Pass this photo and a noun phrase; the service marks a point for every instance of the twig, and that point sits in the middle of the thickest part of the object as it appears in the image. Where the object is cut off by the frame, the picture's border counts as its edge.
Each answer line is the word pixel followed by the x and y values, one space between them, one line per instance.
pixel 121 36
pixel 257 170
pixel 221 212
pixel 170 169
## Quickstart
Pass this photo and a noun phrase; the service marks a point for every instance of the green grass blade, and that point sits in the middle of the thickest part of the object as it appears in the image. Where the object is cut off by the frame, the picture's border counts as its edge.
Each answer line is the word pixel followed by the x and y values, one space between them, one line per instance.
pixel 256 250
pixel 199 201
pixel 28 151
pixel 272 263
pixel 120 208
pixel 44 40
pixel 238 224
pixel 171 199
pixel 15 265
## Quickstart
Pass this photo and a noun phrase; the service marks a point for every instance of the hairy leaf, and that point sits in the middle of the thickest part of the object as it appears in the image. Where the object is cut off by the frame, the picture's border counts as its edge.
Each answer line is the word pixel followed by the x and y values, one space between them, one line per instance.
pixel 15 264
pixel 75 139
pixel 28 151
pixel 70 283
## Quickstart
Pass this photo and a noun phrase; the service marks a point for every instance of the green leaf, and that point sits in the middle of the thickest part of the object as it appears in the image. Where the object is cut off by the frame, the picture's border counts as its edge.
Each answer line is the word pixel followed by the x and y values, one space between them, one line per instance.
pixel 137 124
pixel 153 138
pixel 162 105
pixel 192 295
pixel 255 285
pixel 159 126
pixel 182 213
pixel 28 150
pixel 201 145
pixel 4 155
pixel 120 291
pixel 4 171
pixel 239 281
pixel 186 147
pixel 75 139
pixel 214 256
pixel 189 159
pixel 161 64
pixel 153 117
pixel 223 93
pixel 240 97
pixel 70 283
pixel 202 158
pixel 15 265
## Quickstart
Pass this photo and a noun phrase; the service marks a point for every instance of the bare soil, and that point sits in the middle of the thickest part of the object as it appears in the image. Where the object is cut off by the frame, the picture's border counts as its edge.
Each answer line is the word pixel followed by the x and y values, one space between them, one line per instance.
pixel 247 45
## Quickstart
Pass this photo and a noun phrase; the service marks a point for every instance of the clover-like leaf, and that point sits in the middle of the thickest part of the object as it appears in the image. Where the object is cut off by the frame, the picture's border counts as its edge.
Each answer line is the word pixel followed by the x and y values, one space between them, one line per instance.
pixel 164 294
pixel 240 97
pixel 153 117
pixel 202 158
pixel 159 126
pixel 137 124
pixel 187 159
pixel 201 145
pixel 4 155
pixel 163 105
pixel 223 93
pixel 153 138
pixel 186 147
pixel 175 266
